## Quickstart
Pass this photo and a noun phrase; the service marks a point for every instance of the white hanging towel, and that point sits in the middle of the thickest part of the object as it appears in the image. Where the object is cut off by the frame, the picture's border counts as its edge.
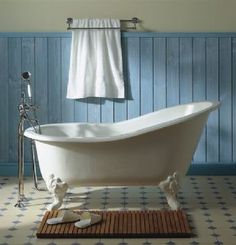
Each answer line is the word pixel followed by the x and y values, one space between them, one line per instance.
pixel 96 60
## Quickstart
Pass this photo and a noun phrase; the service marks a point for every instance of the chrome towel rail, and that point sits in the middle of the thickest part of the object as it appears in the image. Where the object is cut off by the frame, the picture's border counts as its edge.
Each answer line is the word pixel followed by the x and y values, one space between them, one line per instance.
pixel 134 21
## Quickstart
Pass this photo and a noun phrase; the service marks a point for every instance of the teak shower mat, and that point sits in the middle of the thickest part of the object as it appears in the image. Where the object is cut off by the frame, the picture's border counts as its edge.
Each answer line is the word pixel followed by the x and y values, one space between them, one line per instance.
pixel 122 224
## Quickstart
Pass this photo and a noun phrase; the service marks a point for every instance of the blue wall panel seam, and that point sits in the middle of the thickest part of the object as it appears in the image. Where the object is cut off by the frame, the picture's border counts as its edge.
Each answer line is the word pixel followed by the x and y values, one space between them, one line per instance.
pixel 192 67
pixel 219 80
pixel 8 73
pixel 139 75
pixel 205 128
pixel 179 67
pixel 166 40
pixel 61 80
pixel 47 80
pixel 232 104
pixel 153 63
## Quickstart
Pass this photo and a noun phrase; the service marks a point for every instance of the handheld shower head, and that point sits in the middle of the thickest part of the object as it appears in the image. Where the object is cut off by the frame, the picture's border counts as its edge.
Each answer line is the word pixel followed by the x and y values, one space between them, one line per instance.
pixel 26 75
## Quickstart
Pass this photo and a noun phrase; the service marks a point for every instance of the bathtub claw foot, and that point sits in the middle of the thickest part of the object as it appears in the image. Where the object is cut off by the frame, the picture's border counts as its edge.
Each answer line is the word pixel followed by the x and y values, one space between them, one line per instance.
pixel 58 189
pixel 170 187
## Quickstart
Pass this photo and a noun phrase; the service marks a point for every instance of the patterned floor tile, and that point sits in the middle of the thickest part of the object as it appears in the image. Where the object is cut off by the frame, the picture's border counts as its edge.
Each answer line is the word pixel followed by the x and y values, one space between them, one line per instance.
pixel 209 201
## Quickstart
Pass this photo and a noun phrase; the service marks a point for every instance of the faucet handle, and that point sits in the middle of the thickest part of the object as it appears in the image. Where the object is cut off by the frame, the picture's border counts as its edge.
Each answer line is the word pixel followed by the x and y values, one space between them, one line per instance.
pixel 34 107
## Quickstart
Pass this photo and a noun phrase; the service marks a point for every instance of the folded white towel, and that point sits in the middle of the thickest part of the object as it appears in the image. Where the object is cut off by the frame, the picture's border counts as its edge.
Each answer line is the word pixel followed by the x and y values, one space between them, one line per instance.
pixel 96 68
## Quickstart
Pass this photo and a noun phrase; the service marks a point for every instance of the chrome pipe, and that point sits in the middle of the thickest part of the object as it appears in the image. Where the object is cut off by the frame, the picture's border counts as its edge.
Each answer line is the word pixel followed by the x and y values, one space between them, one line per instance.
pixel 34 165
pixel 21 196
pixel 35 177
pixel 27 114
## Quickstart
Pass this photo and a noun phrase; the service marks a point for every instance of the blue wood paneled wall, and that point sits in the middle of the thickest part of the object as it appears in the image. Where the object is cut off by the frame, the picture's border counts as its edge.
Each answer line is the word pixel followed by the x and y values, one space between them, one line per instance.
pixel 161 69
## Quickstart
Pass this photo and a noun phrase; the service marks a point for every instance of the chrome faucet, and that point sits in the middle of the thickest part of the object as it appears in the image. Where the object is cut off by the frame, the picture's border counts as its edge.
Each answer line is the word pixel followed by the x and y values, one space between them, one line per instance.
pixel 26 108
pixel 27 113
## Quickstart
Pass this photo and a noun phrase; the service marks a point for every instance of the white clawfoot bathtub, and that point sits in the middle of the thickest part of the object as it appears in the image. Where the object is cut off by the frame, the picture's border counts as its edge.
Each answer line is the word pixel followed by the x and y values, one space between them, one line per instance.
pixel 140 151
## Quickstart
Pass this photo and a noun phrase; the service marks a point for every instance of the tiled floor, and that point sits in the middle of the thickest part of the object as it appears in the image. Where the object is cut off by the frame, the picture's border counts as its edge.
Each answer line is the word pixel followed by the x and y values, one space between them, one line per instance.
pixel 209 201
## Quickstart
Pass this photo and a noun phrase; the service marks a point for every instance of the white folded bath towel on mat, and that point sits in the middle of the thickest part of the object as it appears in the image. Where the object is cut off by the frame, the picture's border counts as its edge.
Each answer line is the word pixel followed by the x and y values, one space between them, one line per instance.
pixel 96 68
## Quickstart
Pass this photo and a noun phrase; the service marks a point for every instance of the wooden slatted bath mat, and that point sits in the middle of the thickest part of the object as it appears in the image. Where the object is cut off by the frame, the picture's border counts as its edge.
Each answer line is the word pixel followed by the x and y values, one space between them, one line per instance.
pixel 122 224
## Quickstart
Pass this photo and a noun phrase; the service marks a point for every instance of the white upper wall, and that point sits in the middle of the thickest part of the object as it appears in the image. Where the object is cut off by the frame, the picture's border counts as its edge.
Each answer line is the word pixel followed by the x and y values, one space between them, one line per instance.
pixel 156 15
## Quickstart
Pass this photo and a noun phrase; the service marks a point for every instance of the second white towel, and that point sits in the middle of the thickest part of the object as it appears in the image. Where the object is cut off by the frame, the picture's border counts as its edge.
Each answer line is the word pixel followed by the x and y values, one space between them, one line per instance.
pixel 96 68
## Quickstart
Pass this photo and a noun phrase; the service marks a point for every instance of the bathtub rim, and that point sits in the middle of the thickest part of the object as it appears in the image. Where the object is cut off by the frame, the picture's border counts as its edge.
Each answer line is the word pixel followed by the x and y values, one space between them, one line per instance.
pixel 30 133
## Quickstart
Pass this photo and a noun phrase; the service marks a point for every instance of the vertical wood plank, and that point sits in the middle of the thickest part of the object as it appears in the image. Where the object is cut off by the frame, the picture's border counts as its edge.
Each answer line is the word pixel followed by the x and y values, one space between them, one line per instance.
pixel 133 76
pixel 107 111
pixel 68 105
pixel 159 73
pixel 14 91
pixel 199 69
pixel 225 97
pixel 4 119
pixel 185 70
pixel 120 111
pixel 41 78
pixel 94 110
pixel 54 80
pixel 28 59
pixel 28 65
pixel 234 97
pixel 199 88
pixel 81 110
pixel 172 71
pixel 212 60
pixel 120 105
pixel 146 75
